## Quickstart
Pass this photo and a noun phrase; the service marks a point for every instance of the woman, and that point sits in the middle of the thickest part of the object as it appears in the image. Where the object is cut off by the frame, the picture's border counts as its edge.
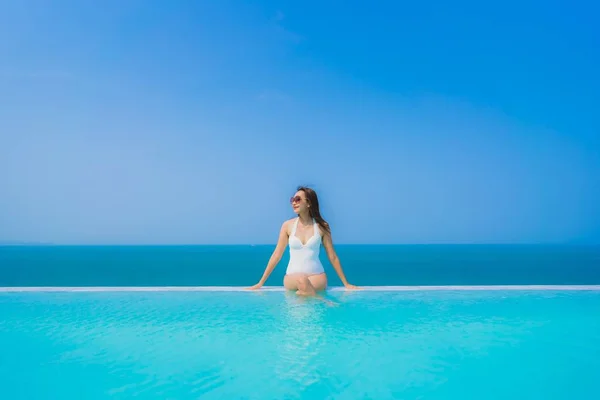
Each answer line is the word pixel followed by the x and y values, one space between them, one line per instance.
pixel 304 235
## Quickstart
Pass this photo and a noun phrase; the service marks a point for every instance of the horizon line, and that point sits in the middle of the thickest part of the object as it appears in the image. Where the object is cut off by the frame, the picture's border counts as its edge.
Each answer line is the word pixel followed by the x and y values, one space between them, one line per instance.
pixel 42 244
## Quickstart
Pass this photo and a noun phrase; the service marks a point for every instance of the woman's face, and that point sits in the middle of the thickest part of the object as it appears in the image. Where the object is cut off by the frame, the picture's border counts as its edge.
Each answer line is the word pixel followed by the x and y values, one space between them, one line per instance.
pixel 299 203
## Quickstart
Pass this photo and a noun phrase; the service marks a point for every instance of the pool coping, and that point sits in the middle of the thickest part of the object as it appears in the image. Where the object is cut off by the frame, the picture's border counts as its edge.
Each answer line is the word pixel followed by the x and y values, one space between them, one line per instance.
pixel 281 289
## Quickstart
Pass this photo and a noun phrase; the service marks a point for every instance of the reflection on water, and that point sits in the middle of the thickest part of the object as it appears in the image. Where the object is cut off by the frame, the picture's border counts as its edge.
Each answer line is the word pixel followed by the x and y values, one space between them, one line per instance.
pixel 301 339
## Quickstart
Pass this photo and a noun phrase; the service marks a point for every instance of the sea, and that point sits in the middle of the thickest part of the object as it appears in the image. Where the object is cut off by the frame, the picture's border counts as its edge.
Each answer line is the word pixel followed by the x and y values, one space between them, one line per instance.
pixel 243 265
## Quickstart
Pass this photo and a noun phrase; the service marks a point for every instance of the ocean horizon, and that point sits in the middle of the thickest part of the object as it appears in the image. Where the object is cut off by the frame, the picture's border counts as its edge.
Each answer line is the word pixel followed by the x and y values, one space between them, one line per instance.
pixel 242 265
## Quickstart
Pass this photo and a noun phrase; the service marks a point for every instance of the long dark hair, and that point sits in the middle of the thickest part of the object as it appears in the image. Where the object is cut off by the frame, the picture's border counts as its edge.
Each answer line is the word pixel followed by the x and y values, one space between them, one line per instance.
pixel 313 201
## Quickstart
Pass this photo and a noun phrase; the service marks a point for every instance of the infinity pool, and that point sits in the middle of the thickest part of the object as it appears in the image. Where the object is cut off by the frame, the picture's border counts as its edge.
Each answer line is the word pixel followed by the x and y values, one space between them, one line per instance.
pixel 436 344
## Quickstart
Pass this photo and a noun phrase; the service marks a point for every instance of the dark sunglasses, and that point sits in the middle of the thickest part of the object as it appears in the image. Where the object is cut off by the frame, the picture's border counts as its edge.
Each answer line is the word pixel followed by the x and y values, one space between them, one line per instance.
pixel 296 199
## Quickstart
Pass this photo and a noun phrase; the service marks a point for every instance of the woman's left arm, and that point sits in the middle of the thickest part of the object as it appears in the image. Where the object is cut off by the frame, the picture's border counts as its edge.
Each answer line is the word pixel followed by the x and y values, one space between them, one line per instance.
pixel 335 261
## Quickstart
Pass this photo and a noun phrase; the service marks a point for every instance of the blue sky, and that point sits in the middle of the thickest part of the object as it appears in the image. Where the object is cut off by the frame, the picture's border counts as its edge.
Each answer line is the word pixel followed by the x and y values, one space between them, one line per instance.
pixel 193 122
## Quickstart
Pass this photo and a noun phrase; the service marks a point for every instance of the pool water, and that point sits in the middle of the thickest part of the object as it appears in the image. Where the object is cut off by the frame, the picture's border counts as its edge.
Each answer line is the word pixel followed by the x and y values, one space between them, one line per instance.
pixel 446 344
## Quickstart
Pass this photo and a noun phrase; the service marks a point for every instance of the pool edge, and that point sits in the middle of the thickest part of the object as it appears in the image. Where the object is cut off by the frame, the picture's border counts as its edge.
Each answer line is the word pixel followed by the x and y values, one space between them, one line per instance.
pixel 281 289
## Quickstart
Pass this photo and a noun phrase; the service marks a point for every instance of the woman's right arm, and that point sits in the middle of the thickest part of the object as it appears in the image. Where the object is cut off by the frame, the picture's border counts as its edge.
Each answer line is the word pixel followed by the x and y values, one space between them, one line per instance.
pixel 275 257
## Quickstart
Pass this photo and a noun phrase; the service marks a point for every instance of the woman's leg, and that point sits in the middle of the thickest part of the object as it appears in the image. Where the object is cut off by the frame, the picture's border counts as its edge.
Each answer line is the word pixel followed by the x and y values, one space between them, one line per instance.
pixel 305 285
pixel 318 282
pixel 290 282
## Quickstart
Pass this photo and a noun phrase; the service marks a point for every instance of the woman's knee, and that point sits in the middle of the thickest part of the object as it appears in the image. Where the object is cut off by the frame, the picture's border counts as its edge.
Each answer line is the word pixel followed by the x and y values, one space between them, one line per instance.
pixel 290 283
pixel 318 282
pixel 303 283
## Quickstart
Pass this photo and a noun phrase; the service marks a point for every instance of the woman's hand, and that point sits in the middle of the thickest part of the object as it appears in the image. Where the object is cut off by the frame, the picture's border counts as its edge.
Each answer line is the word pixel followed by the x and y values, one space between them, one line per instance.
pixel 351 287
pixel 255 287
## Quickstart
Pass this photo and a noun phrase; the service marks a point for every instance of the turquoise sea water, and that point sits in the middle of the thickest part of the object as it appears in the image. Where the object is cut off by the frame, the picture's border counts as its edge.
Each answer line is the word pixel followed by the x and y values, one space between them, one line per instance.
pixel 243 265
pixel 273 345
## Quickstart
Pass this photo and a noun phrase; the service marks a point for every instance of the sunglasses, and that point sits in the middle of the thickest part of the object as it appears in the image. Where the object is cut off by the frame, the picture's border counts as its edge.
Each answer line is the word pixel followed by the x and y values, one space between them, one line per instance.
pixel 296 199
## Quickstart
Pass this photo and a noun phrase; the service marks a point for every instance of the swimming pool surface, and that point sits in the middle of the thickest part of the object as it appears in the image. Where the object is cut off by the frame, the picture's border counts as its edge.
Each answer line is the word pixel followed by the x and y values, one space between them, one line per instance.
pixel 216 344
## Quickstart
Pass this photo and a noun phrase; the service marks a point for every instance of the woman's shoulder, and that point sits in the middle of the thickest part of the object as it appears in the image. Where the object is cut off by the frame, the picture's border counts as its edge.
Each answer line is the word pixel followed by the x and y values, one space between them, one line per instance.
pixel 289 222
pixel 287 225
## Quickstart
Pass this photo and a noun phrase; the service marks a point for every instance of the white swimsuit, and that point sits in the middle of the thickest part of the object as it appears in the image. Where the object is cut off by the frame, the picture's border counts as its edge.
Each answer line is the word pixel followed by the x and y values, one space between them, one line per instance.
pixel 304 258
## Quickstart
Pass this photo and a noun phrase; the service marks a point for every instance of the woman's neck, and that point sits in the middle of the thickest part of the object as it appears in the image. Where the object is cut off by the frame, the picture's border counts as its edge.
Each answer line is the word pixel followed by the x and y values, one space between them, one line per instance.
pixel 305 218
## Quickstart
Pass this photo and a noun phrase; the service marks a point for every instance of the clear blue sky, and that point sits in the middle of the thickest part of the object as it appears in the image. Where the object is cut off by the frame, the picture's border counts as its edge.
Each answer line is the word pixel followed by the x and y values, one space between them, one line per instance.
pixel 192 122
